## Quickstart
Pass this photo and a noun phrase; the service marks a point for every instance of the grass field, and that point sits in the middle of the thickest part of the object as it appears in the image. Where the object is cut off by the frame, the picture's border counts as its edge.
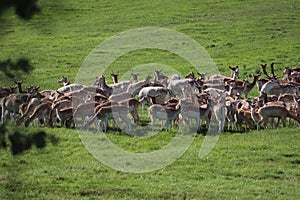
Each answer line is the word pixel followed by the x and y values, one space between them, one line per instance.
pixel 250 165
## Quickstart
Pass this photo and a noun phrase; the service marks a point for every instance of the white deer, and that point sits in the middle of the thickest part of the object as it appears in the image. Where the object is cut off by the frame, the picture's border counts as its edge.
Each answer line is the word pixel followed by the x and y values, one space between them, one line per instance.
pixel 67 86
pixel 273 87
pixel 159 94
pixel 134 88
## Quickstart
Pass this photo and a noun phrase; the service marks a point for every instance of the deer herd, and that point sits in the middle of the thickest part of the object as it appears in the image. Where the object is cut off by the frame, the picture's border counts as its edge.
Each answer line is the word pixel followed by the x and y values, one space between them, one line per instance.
pixel 192 101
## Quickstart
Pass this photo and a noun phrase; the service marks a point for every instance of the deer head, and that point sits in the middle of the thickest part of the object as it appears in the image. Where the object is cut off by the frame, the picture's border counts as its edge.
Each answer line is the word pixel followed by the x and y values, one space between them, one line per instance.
pixel 190 75
pixel 202 75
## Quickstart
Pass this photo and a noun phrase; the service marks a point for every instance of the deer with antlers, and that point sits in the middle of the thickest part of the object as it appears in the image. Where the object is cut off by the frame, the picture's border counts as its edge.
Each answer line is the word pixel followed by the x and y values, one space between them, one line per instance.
pixel 275 86
pixel 291 74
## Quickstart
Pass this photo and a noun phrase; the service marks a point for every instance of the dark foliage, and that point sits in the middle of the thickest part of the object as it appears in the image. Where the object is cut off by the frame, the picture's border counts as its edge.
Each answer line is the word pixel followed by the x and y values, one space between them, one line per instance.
pixel 20 140
pixel 25 9
pixel 10 69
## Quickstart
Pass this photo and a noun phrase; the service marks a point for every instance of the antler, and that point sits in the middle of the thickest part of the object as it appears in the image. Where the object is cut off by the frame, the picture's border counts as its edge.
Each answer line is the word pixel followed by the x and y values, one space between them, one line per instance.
pixel 232 68
pixel 265 71
pixel 272 71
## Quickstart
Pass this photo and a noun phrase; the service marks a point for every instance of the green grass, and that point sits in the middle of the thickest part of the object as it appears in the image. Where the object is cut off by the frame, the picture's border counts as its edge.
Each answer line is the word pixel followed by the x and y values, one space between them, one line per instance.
pixel 244 33
pixel 250 165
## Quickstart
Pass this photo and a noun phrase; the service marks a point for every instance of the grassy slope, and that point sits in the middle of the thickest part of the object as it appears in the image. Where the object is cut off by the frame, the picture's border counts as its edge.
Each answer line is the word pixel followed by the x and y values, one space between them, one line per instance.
pixel 245 33
pixel 251 165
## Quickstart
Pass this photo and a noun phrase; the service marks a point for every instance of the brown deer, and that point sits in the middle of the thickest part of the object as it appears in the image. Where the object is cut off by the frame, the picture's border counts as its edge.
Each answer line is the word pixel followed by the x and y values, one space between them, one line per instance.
pixel 234 74
pixel 251 85
pixel 290 73
pixel 190 110
pixel 134 77
pixel 109 112
pixel 169 114
pixel 275 111
pixel 42 112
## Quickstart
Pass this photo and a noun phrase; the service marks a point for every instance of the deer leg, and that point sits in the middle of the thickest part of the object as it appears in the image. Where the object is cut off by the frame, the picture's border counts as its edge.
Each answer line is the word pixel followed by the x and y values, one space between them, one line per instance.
pixel 198 124
pixel 105 125
pixel 152 122
pixel 179 123
pixel 99 125
pixel 3 114
pixel 207 121
pixel 283 119
pixel 143 107
pixel 14 114
pixel 221 128
pixel 259 123
pixel 277 124
pixel 127 123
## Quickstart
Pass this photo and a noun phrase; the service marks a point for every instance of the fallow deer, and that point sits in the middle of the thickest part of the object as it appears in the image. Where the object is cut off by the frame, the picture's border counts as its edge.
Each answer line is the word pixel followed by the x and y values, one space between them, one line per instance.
pixel 42 112
pixel 109 112
pixel 189 110
pixel 67 86
pixel 168 114
pixel 278 111
pixel 134 88
pixel 115 77
pixel 234 75
pixel 134 77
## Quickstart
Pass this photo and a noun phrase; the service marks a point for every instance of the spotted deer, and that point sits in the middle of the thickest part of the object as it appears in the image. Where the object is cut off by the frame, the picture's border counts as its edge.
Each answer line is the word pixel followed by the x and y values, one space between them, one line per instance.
pixel 109 112
pixel 275 111
pixel 42 112
pixel 168 114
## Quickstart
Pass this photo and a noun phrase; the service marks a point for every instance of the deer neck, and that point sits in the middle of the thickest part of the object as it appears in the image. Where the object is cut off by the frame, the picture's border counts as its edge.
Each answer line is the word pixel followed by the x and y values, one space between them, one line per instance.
pixel 20 88
pixel 115 79
pixel 254 81
pixel 67 83
pixel 234 76
pixel 103 83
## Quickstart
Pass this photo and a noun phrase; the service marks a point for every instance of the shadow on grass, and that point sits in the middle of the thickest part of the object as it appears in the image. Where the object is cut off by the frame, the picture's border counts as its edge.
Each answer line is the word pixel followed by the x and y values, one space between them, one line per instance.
pixel 20 139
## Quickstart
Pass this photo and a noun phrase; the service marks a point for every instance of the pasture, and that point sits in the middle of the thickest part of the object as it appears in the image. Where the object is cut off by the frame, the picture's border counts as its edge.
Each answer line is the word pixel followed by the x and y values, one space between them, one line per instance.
pixel 248 165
